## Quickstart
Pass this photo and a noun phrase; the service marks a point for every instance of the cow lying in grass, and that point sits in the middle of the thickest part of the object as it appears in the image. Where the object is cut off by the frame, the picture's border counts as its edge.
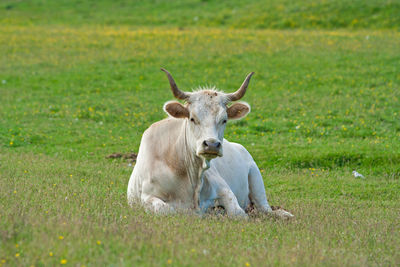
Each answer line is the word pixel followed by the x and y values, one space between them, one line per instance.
pixel 184 162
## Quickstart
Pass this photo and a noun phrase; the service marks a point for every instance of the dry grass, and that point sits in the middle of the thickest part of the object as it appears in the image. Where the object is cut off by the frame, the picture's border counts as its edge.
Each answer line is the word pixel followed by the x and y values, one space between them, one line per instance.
pixel 44 199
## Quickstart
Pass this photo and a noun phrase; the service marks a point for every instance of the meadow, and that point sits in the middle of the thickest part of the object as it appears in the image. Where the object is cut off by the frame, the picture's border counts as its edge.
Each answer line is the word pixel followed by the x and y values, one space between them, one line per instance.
pixel 82 80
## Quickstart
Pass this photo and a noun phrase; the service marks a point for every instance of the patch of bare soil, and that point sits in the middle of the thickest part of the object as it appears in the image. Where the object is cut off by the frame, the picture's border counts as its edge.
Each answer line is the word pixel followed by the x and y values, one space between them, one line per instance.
pixel 130 156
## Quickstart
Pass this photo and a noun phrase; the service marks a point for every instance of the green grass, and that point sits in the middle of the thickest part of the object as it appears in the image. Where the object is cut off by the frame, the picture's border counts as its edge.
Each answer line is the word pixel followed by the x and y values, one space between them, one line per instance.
pixel 84 201
pixel 75 88
pixel 322 14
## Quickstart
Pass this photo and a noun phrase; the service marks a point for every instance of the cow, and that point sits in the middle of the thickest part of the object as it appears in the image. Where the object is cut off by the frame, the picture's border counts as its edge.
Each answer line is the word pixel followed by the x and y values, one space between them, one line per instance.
pixel 185 164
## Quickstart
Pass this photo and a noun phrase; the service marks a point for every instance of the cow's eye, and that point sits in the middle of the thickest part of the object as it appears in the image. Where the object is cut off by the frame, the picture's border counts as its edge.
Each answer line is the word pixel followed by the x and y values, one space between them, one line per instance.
pixel 224 121
pixel 192 120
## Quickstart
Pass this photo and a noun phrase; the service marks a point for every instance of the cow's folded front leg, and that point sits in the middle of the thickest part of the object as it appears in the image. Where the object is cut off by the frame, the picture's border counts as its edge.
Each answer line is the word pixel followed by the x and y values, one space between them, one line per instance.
pixel 228 200
pixel 156 205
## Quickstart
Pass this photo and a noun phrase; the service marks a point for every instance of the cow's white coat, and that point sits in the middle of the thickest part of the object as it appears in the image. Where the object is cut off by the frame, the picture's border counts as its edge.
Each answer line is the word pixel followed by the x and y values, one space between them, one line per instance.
pixel 174 171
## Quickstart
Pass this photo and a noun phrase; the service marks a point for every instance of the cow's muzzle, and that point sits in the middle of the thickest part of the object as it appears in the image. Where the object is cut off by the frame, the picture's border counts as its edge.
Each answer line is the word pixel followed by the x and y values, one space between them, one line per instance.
pixel 211 148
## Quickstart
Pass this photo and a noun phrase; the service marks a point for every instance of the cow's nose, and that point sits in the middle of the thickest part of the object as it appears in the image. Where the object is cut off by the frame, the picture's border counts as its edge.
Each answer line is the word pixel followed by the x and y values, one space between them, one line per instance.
pixel 212 144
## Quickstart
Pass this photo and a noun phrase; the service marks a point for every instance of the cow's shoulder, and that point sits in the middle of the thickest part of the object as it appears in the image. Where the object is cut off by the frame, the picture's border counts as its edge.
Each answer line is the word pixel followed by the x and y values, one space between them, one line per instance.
pixel 162 134
pixel 159 143
pixel 162 128
pixel 159 138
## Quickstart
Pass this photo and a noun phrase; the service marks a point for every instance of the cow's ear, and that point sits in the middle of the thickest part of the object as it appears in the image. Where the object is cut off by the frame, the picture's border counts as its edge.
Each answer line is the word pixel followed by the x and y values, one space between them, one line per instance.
pixel 238 110
pixel 176 110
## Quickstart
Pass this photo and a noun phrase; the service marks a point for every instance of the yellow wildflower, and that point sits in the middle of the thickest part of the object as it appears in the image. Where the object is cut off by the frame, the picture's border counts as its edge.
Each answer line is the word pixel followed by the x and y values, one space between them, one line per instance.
pixel 63 261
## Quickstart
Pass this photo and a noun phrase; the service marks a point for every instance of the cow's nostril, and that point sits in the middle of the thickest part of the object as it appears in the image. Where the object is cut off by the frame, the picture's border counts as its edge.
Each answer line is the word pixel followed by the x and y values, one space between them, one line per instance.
pixel 212 144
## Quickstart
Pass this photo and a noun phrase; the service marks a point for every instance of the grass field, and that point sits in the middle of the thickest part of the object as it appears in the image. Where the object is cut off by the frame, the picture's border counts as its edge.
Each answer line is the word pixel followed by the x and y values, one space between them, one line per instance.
pixel 81 80
pixel 265 14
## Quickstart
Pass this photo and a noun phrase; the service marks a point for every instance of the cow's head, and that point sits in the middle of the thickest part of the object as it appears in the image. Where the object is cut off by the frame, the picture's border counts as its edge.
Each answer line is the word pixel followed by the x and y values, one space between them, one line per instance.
pixel 206 113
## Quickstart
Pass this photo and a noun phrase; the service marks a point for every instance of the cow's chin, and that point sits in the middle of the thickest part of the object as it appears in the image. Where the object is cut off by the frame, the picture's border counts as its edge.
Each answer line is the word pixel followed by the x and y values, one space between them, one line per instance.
pixel 209 155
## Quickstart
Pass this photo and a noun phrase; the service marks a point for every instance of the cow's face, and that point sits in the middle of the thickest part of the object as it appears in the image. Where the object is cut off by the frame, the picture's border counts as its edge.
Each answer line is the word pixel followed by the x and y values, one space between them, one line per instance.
pixel 206 113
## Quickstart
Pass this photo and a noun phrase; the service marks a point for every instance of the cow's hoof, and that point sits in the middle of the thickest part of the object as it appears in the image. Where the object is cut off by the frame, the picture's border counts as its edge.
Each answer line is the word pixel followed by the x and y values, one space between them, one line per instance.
pixel 282 214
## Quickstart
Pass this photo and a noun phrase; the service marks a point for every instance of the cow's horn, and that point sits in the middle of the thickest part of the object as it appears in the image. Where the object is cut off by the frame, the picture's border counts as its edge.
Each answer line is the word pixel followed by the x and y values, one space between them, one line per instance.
pixel 241 91
pixel 175 90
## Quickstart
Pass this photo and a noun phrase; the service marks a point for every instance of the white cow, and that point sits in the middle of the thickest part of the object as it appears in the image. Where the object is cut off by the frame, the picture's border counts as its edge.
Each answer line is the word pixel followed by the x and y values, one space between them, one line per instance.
pixel 184 163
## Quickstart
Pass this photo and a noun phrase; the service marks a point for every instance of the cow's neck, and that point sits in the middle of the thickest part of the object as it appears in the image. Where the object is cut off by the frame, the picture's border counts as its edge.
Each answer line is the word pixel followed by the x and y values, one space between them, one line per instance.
pixel 195 166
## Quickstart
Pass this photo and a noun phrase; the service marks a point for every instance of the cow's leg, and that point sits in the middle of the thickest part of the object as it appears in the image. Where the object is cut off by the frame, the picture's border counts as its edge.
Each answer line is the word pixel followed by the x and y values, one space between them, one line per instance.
pixel 257 191
pixel 156 205
pixel 216 188
pixel 228 200
pixel 259 197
